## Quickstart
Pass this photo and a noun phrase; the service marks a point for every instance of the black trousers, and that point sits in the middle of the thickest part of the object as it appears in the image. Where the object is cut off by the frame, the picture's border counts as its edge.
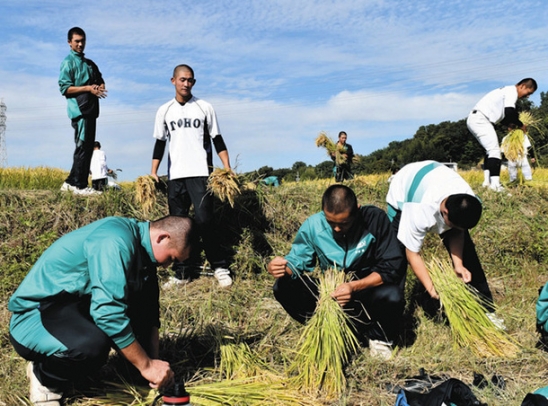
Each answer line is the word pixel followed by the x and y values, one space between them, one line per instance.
pixel 376 313
pixel 99 184
pixel 184 192
pixel 83 151
pixel 87 345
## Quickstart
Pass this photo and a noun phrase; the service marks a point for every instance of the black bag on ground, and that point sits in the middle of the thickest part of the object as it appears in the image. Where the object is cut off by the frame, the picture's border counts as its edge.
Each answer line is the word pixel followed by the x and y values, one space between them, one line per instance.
pixel 452 391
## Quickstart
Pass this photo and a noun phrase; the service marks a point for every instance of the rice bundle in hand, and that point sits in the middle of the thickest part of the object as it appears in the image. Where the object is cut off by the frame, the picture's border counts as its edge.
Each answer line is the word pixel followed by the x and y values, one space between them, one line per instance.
pixel 326 343
pixel 145 193
pixel 332 148
pixel 512 145
pixel 463 306
pixel 224 184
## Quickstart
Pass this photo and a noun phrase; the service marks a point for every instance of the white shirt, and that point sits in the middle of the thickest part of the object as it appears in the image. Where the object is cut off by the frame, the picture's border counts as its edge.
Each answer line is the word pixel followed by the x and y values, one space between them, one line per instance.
pixel 183 125
pixel 98 166
pixel 419 199
pixel 492 105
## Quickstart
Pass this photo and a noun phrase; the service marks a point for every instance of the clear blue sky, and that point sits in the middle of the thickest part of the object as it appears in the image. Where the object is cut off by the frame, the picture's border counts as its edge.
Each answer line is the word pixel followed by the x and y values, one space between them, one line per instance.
pixel 277 71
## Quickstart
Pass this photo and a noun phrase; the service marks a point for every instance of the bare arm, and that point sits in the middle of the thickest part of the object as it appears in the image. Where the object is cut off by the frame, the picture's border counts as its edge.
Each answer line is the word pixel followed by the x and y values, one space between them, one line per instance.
pixel 419 268
pixel 456 246
pixel 97 90
pixel 157 372
pixel 278 267
pixel 154 169
pixel 223 155
pixel 344 291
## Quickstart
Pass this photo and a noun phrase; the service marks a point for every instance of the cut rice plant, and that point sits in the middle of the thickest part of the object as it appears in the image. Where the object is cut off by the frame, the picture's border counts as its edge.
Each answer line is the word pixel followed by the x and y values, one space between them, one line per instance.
pixel 145 193
pixel 224 184
pixel 252 391
pixel 464 308
pixel 513 144
pixel 326 343
pixel 332 148
pixel 238 361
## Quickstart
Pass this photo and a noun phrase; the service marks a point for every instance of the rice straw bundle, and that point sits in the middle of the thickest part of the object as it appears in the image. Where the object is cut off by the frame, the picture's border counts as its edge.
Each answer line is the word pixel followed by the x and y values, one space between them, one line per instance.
pixel 224 184
pixel 512 144
pixel 145 193
pixel 326 343
pixel 238 361
pixel 332 148
pixel 253 391
pixel 470 326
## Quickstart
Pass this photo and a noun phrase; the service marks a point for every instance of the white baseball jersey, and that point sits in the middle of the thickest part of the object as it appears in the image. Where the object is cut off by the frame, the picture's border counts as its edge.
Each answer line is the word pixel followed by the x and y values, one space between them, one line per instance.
pixel 190 152
pixel 417 190
pixel 492 105
pixel 98 166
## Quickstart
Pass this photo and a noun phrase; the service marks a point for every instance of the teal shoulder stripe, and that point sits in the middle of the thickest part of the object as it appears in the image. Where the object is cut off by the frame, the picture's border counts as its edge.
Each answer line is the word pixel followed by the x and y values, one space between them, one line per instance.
pixel 418 178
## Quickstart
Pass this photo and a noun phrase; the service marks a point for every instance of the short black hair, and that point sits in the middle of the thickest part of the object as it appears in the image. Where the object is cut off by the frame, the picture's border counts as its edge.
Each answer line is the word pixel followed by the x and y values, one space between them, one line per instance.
pixel 185 67
pixel 528 82
pixel 338 199
pixel 97 144
pixel 77 31
pixel 343 132
pixel 463 210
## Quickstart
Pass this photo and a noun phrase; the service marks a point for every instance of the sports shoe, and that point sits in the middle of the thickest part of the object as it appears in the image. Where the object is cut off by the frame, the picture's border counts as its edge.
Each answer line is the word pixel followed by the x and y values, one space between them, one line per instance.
pixel 496 320
pixel 41 395
pixel 86 191
pixel 486 184
pixel 174 281
pixel 380 349
pixel 65 187
pixel 223 277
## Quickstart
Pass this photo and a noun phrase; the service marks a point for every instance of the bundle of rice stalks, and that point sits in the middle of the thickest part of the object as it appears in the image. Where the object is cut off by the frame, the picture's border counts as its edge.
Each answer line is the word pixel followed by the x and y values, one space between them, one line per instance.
pixel 224 184
pixel 332 148
pixel 326 343
pixel 238 361
pixel 253 391
pixel 513 144
pixel 470 326
pixel 145 193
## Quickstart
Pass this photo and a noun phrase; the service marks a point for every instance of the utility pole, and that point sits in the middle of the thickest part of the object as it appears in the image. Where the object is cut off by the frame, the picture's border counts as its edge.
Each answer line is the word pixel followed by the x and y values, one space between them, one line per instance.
pixel 3 151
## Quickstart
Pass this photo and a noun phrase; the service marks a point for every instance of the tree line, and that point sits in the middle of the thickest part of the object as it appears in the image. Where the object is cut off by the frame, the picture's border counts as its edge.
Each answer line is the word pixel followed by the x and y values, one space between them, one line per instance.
pixel 448 141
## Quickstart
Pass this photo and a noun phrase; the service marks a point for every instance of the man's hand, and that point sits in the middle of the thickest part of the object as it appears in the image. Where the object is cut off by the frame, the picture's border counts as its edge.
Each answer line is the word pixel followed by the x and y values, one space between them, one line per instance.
pixel 99 91
pixel 277 267
pixel 343 294
pixel 463 273
pixel 158 373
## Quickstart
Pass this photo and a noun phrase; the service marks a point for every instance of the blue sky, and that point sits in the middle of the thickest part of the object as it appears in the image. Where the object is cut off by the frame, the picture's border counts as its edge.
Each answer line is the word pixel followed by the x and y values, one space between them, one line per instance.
pixel 277 71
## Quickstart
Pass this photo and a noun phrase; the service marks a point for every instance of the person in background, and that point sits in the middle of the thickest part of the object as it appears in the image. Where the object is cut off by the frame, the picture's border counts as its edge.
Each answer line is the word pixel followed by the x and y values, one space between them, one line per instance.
pixel 99 169
pixel 94 289
pixel 497 106
pixel 271 181
pixel 522 162
pixel 343 162
pixel 81 82
pixel 190 125
pixel 359 241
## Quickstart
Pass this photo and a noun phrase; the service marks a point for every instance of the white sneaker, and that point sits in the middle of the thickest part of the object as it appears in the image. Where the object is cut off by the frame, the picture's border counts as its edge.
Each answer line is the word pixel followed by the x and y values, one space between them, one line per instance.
pixel 485 184
pixel 499 189
pixel 380 349
pixel 86 191
pixel 173 281
pixel 223 277
pixel 41 395
pixel 496 320
pixel 65 187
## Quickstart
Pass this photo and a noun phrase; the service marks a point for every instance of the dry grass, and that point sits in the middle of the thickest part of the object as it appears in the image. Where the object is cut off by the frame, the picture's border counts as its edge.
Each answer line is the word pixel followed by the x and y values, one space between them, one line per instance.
pixel 145 193
pixel 510 239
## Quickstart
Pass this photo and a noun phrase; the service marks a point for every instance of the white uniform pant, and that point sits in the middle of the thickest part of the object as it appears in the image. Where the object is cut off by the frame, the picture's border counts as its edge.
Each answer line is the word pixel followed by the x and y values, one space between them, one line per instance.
pixel 525 169
pixel 484 131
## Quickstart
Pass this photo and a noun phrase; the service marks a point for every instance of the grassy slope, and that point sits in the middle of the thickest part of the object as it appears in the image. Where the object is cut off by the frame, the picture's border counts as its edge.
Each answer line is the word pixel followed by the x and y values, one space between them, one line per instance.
pixel 511 240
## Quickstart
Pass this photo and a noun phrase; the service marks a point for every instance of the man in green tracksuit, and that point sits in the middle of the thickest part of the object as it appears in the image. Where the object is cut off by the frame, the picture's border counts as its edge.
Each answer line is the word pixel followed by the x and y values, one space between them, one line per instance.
pixel 81 82
pixel 359 241
pixel 93 289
